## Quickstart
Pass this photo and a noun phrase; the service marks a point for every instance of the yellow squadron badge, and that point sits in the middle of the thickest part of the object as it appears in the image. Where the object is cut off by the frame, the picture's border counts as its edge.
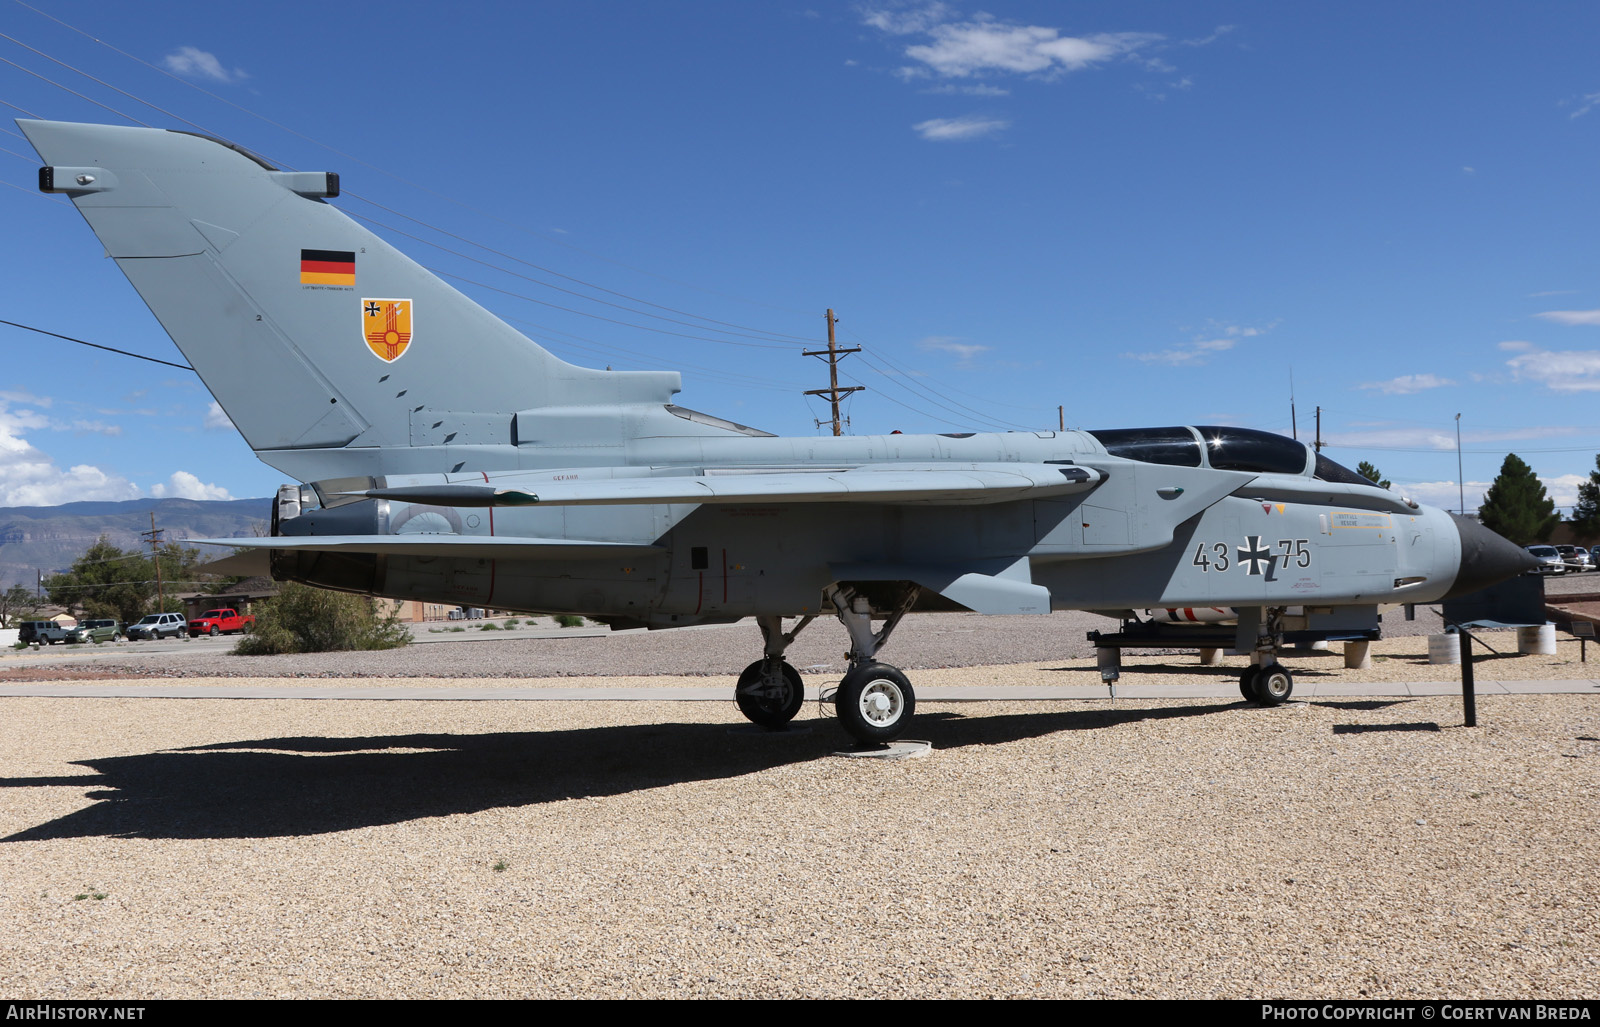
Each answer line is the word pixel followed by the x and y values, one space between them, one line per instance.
pixel 386 324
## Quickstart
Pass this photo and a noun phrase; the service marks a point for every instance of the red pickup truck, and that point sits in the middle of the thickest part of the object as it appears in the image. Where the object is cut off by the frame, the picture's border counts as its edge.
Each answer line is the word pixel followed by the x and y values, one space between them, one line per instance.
pixel 220 622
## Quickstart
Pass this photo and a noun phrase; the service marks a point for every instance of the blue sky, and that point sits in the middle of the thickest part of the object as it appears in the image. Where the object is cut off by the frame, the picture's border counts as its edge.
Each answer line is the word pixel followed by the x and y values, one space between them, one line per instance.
pixel 1148 213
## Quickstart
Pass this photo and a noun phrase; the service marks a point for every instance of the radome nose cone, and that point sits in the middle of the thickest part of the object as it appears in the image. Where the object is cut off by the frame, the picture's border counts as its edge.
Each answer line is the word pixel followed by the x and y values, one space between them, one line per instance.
pixel 1486 558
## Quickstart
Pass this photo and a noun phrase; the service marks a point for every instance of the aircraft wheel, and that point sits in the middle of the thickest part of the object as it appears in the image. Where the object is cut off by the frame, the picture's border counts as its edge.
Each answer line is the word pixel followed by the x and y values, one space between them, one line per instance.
pixel 875 702
pixel 1247 683
pixel 1273 685
pixel 769 696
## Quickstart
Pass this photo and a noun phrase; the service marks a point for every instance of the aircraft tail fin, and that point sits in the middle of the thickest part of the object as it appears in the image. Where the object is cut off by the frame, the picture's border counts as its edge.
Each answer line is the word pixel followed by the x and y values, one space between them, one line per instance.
pixel 333 353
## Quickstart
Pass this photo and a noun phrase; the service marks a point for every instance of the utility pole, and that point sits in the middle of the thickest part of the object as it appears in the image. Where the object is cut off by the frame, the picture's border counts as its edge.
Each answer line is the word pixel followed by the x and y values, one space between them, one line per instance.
pixel 833 391
pixel 155 551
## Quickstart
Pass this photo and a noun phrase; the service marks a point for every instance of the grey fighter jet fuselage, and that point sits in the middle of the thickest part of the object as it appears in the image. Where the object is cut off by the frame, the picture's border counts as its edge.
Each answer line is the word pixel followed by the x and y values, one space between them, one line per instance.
pixel 535 485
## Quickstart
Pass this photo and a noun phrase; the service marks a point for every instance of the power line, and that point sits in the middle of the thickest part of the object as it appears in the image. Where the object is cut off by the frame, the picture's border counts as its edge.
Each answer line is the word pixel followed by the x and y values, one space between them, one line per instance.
pixel 404 181
pixel 547 285
pixel 96 345
pixel 611 320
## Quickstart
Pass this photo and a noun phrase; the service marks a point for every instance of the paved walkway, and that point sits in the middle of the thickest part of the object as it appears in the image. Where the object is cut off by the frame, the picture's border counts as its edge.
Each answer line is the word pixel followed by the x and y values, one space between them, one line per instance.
pixel 724 692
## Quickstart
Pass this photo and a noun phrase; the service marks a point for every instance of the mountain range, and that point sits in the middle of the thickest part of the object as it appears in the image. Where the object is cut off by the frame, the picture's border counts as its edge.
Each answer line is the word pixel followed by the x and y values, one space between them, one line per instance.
pixel 47 539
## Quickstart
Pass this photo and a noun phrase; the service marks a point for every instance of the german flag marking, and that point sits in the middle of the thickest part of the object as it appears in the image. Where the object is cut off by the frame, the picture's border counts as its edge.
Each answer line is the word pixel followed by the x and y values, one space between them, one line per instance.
pixel 327 267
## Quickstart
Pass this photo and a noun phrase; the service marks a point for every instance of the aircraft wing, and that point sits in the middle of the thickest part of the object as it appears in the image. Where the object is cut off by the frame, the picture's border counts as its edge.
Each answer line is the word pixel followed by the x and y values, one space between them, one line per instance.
pixel 505 547
pixel 971 483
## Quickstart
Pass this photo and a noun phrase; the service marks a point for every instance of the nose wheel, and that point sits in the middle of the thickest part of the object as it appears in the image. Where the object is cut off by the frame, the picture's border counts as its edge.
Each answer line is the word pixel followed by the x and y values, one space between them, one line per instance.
pixel 1270 684
pixel 874 702
pixel 769 693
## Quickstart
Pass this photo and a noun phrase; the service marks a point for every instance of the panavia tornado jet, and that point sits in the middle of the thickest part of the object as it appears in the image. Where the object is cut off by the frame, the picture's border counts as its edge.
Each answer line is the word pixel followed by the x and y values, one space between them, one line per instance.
pixel 451 459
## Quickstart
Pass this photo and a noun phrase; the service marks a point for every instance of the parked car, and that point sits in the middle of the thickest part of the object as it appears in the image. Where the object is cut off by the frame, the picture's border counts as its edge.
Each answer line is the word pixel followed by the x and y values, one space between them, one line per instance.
pixel 1550 561
pixel 1594 557
pixel 1577 560
pixel 97 630
pixel 220 622
pixel 44 632
pixel 157 626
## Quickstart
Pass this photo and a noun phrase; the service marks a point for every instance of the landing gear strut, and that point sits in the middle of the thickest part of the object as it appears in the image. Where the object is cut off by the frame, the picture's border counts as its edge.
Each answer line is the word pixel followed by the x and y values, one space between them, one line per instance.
pixel 875 701
pixel 770 691
pixel 1266 681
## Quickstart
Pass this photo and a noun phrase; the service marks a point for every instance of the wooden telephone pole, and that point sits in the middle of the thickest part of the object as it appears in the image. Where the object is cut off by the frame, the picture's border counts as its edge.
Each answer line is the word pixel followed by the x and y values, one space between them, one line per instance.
pixel 155 550
pixel 833 391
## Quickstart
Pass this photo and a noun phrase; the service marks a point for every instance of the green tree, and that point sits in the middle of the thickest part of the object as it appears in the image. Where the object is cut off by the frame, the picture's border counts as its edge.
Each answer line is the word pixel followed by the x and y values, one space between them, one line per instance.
pixel 304 619
pixel 1372 474
pixel 16 603
pixel 105 582
pixel 1516 505
pixel 1586 512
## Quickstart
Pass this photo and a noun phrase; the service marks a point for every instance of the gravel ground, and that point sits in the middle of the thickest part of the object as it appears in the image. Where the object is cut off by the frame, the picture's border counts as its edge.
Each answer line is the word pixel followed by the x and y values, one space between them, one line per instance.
pixel 1164 848
pixel 1183 847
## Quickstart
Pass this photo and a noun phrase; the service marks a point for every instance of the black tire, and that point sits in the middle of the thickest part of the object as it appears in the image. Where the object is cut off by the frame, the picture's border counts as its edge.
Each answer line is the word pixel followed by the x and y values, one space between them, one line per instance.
pixel 1273 685
pixel 1247 683
pixel 771 708
pixel 875 702
pixel 215 631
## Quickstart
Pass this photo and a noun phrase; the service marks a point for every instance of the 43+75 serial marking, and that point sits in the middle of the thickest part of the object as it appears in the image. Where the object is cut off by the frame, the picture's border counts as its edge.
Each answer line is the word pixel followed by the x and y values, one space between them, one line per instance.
pixel 1255 556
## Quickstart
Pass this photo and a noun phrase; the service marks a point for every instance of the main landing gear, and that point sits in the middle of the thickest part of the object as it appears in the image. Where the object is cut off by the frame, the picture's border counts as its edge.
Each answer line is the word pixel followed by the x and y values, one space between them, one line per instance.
pixel 874 702
pixel 1266 681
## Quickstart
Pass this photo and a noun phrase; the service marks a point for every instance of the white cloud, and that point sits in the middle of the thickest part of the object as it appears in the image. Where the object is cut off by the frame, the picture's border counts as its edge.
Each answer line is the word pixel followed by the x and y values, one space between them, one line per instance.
pixel 984 44
pixel 1199 349
pixel 24 396
pixel 981 89
pixel 976 47
pixel 1407 384
pixel 28 477
pixel 217 419
pixel 1216 34
pixel 969 126
pixel 1565 371
pixel 952 344
pixel 1516 346
pixel 1442 438
pixel 1586 103
pixel 82 427
pixel 1446 495
pixel 1571 317
pixel 197 63
pixel 183 485
pixel 1563 488
pixel 903 21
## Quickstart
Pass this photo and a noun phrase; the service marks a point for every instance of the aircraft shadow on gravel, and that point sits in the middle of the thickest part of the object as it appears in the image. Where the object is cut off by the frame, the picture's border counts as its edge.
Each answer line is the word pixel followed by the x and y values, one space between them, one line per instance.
pixel 284 787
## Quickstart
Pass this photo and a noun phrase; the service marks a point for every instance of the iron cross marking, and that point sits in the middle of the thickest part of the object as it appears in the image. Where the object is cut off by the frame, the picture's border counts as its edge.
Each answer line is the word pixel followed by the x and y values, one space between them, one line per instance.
pixel 373 309
pixel 1256 555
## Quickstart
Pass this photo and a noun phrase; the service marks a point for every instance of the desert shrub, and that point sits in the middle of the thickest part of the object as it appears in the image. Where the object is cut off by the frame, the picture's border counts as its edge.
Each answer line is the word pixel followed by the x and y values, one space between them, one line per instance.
pixel 304 619
pixel 567 620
